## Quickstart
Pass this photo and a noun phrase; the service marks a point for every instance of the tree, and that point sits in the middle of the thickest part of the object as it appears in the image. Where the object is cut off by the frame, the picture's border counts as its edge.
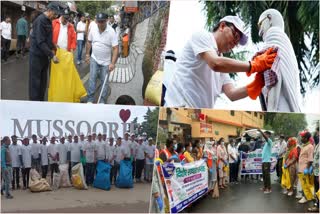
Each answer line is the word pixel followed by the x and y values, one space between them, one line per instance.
pixel 93 7
pixel 150 125
pixel 301 21
pixel 289 124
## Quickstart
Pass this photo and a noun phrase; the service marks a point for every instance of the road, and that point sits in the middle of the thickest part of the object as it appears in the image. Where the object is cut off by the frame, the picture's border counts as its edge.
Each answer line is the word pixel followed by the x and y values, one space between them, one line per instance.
pixel 71 200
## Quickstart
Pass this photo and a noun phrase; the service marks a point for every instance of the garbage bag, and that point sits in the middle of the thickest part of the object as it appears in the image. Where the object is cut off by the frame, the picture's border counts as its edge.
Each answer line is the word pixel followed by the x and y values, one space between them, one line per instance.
pixel 102 180
pixel 36 183
pixel 56 180
pixel 65 83
pixel 77 178
pixel 307 185
pixel 285 180
pixel 64 173
pixel 154 88
pixel 124 179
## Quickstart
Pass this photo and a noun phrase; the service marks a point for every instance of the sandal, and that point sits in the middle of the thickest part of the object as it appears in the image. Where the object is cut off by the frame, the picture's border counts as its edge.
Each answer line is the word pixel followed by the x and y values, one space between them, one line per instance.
pixel 313 209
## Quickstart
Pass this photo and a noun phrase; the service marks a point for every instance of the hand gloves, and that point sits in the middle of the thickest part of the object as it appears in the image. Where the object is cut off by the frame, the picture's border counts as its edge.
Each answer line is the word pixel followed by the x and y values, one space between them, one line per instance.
pixel 254 89
pixel 306 171
pixel 182 163
pixel 285 166
pixel 159 202
pixel 310 170
pixel 174 157
pixel 263 62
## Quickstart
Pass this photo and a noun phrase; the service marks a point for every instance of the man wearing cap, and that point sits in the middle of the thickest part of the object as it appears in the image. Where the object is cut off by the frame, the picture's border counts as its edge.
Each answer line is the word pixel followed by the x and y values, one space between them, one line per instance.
pixel 25 162
pixel 266 161
pixel 81 29
pixel 150 150
pixel 64 35
pixel 104 43
pixel 36 153
pixel 15 152
pixel 282 148
pixel 41 51
pixel 201 72
pixel 304 164
pixel 117 156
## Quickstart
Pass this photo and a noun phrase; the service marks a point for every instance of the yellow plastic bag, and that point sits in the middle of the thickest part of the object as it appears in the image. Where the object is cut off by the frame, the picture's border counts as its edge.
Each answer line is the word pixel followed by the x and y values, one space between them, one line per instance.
pixel 307 185
pixel 285 180
pixel 65 83
pixel 318 194
pixel 154 88
pixel 77 178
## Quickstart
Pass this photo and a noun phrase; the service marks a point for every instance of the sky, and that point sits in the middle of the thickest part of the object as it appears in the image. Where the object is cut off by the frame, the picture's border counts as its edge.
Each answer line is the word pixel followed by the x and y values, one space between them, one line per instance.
pixel 187 17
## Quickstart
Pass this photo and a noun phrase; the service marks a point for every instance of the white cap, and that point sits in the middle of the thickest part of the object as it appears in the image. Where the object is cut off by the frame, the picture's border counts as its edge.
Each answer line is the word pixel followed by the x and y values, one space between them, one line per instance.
pixel 144 134
pixel 127 133
pixel 132 134
pixel 150 138
pixel 239 24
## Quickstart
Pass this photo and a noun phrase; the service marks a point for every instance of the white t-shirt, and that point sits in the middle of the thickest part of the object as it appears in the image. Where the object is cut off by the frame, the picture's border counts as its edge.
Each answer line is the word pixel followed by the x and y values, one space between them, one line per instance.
pixel 26 156
pixel 63 153
pixel 232 151
pixel 125 150
pixel 150 150
pixel 102 44
pixel 193 83
pixel 140 150
pixel 53 150
pixel 109 153
pixel 63 36
pixel 117 153
pixel 92 25
pixel 35 150
pixel 81 26
pixel 44 155
pixel 15 151
pixel 101 150
pixel 75 152
pixel 133 145
pixel 6 30
pixel 90 148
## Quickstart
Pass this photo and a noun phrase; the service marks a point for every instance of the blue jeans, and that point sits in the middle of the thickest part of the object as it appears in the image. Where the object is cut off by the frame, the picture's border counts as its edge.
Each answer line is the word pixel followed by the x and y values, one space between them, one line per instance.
pixel 80 45
pixel 90 169
pixel 96 71
pixel 6 176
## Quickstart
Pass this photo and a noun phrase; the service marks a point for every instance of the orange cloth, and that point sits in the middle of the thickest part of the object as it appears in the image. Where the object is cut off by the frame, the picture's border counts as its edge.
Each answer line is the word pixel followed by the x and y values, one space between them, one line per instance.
pixel 254 89
pixel 263 62
pixel 72 36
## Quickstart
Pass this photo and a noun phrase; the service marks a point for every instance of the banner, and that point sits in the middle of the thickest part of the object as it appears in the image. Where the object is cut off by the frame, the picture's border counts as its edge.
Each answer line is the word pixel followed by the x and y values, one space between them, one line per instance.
pixel 185 183
pixel 205 128
pixel 251 163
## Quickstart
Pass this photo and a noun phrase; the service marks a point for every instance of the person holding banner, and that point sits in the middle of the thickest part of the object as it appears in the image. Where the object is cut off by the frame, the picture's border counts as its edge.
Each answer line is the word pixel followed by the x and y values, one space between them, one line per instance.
pixel 290 162
pixel 266 161
pixel 222 163
pixel 187 154
pixel 168 154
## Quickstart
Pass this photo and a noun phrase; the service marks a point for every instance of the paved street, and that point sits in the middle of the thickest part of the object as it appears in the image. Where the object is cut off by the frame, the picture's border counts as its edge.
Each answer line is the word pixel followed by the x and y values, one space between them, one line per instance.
pixel 72 200
pixel 248 198
pixel 126 79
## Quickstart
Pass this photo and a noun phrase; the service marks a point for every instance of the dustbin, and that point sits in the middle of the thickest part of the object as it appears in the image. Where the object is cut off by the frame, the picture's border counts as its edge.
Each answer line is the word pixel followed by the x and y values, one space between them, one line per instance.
pixel 125 46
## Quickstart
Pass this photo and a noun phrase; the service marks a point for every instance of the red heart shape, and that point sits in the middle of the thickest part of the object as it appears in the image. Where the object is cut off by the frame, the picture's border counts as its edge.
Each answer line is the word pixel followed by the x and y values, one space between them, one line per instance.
pixel 124 115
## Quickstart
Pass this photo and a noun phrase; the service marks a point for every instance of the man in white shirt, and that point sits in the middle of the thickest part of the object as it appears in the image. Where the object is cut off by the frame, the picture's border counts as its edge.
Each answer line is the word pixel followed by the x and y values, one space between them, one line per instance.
pixel 53 155
pixel 63 151
pixel 140 158
pixel 117 155
pixel 15 152
pixel 133 146
pixel 282 148
pixel 6 32
pixel 150 150
pixel 75 151
pixel 36 152
pixel 110 158
pixel 26 162
pixel 205 71
pixel 90 152
pixel 233 161
pixel 125 140
pixel 101 148
pixel 44 157
pixel 104 43
pixel 81 29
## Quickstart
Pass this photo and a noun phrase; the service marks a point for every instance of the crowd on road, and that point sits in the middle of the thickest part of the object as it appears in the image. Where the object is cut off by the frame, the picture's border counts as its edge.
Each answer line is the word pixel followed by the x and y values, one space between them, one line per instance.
pixel 43 157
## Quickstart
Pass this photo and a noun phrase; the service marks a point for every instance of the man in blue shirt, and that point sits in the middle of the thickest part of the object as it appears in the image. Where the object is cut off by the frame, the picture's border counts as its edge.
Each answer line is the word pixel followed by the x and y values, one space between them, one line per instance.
pixel 22 34
pixel 266 161
pixel 6 169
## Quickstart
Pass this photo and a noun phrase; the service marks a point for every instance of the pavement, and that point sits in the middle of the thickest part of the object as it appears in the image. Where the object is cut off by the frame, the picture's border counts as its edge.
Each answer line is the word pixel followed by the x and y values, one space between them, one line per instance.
pixel 71 200
pixel 248 198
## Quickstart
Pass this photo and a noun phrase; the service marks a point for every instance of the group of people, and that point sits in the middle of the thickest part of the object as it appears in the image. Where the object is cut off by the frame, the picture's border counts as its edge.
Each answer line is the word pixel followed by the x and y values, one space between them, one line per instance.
pixel 42 155
pixel 223 160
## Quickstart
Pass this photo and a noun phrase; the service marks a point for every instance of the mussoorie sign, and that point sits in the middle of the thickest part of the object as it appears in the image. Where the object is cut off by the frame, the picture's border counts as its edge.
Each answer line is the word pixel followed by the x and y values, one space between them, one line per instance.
pixel 60 119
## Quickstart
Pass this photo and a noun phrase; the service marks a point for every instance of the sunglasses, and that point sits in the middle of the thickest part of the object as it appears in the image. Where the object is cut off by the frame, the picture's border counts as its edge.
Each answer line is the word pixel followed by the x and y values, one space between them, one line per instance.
pixel 236 35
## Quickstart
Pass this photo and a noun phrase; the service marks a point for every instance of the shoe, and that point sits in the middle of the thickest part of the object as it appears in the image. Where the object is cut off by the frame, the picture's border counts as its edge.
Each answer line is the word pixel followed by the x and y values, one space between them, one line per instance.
pixel 78 62
pixel 313 209
pixel 302 200
pixel 262 189
pixel 298 196
pixel 267 191
pixel 285 192
pixel 290 193
pixel 9 196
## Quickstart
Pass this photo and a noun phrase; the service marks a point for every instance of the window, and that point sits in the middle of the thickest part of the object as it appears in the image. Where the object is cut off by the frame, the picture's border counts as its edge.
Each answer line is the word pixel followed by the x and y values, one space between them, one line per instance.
pixel 261 116
pixel 255 114
pixel 232 113
pixel 249 112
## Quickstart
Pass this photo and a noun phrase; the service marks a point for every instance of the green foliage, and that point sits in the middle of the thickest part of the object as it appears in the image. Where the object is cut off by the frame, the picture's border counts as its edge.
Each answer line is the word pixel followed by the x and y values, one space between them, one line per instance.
pixel 93 7
pixel 289 124
pixel 162 136
pixel 301 19
pixel 150 125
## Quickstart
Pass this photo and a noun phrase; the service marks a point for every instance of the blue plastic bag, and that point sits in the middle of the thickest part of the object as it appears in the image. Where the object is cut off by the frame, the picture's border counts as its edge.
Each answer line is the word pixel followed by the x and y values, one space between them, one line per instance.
pixel 102 180
pixel 124 179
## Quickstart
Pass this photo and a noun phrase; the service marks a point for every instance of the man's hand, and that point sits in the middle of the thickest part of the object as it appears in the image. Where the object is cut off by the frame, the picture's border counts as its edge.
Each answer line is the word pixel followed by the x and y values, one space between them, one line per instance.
pixel 111 67
pixel 55 59
pixel 263 62
pixel 87 59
